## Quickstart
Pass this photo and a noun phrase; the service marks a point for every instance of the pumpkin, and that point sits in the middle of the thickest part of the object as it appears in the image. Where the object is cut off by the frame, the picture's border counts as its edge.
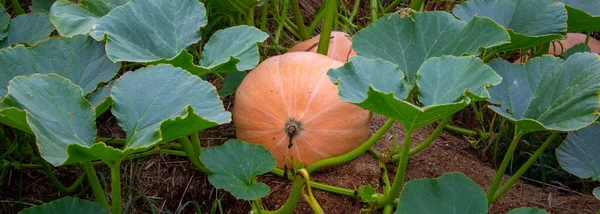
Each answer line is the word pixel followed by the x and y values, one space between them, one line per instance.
pixel 340 46
pixel 571 40
pixel 289 105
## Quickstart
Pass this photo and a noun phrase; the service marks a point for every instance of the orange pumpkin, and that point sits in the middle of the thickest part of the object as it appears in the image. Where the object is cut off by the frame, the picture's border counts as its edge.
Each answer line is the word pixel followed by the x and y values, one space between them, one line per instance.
pixel 571 40
pixel 289 105
pixel 340 46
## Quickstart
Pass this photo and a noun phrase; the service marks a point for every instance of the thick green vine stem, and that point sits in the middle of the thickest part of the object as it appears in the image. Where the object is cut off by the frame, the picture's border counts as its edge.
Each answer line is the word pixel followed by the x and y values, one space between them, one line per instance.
pixel 94 183
pixel 524 168
pixel 194 157
pixel 511 149
pixel 316 21
pixel 293 199
pixel 331 13
pixel 373 6
pixel 316 185
pixel 58 184
pixel 423 145
pixel 17 7
pixel 389 197
pixel 115 185
pixel 354 153
pixel 461 131
pixel 299 20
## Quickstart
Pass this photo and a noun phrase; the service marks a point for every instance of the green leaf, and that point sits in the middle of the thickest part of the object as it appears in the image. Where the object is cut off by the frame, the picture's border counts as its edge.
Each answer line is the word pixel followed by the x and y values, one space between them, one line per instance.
pixel 530 22
pixel 28 28
pixel 230 50
pixel 14 117
pixel 578 154
pixel 4 21
pixel 100 99
pixel 446 85
pixel 584 15
pixel 579 48
pixel 548 93
pixel 162 103
pixel 72 19
pixel 80 59
pixel 235 164
pixel 56 112
pixel 67 205
pixel 238 42
pixel 41 6
pixel 451 193
pixel 367 193
pixel 154 29
pixel 231 83
pixel 597 193
pixel 527 210
pixel 409 41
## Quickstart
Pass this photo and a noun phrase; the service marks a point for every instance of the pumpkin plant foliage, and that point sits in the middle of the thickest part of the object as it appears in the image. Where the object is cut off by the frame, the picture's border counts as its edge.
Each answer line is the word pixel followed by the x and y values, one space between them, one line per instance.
pixel 584 15
pixel 72 19
pixel 4 21
pixel 548 93
pixel 578 154
pixel 445 85
pixel 529 23
pixel 26 28
pixel 67 205
pixel 146 37
pixel 235 165
pixel 527 210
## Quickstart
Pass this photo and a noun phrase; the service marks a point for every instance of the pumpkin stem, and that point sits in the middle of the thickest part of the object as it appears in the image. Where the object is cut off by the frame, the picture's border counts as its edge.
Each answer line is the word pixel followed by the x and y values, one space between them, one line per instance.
pixel 292 128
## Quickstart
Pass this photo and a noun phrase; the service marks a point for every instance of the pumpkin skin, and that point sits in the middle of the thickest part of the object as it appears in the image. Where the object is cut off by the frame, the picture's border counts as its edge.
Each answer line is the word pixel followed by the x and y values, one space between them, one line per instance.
pixel 340 46
pixel 293 92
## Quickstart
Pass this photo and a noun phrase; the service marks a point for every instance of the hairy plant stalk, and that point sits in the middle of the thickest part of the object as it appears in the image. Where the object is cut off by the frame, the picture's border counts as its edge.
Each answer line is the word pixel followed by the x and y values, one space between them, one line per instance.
pixel 513 179
pixel 354 153
pixel 316 21
pixel 331 13
pixel 374 12
pixel 250 17
pixel 264 11
pixel 398 182
pixel 115 185
pixel 95 183
pixel 511 149
pixel 423 145
pixel 299 20
pixel 188 148
pixel 320 186
pixel 293 199
pixel 58 184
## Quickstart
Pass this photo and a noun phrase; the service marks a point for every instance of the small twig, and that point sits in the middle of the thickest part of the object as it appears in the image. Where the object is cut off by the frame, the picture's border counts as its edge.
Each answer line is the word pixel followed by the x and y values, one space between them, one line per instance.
pixel 184 191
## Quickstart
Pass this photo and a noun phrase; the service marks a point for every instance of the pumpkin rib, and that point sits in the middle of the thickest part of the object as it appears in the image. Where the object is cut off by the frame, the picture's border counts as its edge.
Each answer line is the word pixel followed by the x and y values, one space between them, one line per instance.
pixel 325 110
pixel 265 112
pixel 315 91
pixel 312 147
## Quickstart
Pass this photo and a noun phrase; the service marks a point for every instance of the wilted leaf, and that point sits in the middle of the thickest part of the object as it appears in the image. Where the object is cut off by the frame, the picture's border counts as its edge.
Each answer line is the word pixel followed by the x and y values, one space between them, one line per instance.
pixel 584 15
pixel 80 59
pixel 409 41
pixel 161 103
pixel 234 164
pixel 529 23
pixel 451 193
pixel 578 154
pixel 548 93
pixel 67 205
pixel 154 29
pixel 446 85
pixel 27 28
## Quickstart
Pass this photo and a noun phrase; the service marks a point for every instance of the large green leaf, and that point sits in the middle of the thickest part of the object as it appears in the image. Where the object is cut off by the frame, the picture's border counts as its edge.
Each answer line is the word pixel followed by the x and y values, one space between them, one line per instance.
pixel 13 117
pixel 81 59
pixel 231 83
pixel 450 193
pixel 57 113
pixel 409 41
pixel 578 154
pixel 529 22
pixel 597 192
pixel 67 205
pixel 584 15
pixel 446 85
pixel 579 48
pixel 229 50
pixel 72 19
pixel 161 103
pixel 100 99
pixel 527 210
pixel 41 6
pixel 235 164
pixel 548 93
pixel 154 29
pixel 28 28
pixel 4 21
